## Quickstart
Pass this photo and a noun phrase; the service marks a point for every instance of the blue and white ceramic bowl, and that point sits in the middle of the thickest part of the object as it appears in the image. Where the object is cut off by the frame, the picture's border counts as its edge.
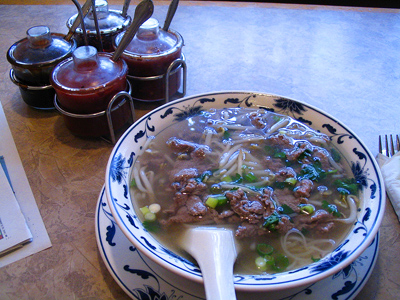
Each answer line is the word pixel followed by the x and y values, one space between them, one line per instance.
pixel 363 165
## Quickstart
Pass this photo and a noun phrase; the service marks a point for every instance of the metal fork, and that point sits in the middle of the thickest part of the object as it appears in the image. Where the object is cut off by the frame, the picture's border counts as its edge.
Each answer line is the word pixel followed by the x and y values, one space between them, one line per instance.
pixel 391 146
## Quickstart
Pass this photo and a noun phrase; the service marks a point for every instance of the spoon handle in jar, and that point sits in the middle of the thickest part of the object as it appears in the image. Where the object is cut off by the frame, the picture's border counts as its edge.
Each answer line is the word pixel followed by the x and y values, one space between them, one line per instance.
pixel 170 14
pixel 77 21
pixel 125 8
pixel 143 11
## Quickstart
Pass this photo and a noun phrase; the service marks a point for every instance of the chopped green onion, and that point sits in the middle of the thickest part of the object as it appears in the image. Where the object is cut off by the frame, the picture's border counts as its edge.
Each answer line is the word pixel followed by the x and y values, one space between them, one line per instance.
pixel 144 210
pixel 226 178
pixel 291 180
pixel 150 216
pixel 250 177
pixel 261 263
pixel 264 249
pixel 154 208
pixel 212 202
pixel 307 209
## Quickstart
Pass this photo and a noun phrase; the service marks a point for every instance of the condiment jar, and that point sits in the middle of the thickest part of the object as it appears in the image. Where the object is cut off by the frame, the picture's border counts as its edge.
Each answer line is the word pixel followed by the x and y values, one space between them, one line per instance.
pixel 149 55
pixel 111 23
pixel 85 84
pixel 33 59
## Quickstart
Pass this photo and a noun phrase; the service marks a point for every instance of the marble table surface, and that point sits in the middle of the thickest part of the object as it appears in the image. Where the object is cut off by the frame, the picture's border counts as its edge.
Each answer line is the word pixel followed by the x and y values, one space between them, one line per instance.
pixel 345 61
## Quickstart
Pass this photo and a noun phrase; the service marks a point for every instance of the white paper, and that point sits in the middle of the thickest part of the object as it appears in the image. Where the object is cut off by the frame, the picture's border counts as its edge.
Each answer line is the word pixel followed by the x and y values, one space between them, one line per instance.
pixel 14 231
pixel 390 168
pixel 24 195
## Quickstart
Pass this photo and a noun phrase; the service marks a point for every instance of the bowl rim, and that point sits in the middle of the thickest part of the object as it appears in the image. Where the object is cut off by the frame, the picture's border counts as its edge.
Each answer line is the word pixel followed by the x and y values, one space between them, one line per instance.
pixel 262 286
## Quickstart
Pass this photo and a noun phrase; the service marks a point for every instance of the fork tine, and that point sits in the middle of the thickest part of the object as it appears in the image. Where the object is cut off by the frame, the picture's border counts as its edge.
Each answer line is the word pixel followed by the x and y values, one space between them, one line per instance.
pixel 380 145
pixel 387 146
pixel 391 146
pixel 397 143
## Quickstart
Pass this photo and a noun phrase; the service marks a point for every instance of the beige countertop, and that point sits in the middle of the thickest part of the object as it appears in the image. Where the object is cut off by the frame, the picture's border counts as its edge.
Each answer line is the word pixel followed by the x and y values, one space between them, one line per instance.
pixel 342 60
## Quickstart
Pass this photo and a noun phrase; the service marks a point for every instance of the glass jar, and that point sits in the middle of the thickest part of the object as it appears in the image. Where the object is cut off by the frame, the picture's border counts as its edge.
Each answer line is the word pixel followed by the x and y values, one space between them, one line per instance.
pixel 149 55
pixel 33 59
pixel 111 23
pixel 85 85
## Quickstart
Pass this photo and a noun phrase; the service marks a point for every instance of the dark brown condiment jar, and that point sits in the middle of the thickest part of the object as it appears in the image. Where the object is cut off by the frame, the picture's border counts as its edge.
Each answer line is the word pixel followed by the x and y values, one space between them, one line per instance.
pixel 111 23
pixel 33 59
pixel 85 85
pixel 149 55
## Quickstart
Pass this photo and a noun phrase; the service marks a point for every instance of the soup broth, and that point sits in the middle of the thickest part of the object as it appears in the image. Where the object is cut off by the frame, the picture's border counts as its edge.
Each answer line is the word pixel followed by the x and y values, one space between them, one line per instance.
pixel 283 187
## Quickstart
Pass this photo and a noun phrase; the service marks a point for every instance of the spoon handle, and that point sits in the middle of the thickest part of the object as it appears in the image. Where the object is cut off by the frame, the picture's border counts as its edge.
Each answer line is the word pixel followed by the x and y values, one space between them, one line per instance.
pixel 214 251
pixel 170 14
pixel 85 9
pixel 143 11
pixel 125 8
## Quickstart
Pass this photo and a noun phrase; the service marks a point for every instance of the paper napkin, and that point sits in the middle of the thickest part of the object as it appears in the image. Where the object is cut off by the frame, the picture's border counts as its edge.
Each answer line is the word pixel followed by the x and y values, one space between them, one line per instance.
pixel 390 168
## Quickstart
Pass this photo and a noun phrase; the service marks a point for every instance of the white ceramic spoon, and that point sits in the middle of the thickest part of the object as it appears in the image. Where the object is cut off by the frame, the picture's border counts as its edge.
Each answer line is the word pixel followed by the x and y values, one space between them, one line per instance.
pixel 215 251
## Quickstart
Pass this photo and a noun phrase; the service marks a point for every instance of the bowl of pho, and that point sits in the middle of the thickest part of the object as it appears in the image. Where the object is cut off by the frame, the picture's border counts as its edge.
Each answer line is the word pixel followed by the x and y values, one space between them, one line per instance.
pixel 302 193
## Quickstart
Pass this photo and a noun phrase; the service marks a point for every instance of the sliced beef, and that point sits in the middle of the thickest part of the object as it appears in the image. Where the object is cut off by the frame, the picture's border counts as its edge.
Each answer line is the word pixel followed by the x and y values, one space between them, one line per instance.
pixel 320 222
pixel 303 188
pixel 282 141
pixel 285 173
pixel 284 225
pixel 248 230
pixel 257 121
pixel 179 146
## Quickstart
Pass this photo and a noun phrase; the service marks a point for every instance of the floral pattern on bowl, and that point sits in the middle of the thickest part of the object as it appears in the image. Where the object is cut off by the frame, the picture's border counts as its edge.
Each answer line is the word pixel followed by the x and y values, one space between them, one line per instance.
pixel 363 165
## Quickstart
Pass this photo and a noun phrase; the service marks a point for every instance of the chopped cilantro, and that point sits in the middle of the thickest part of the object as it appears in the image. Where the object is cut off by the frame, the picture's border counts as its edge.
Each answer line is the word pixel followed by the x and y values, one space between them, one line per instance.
pixel 151 226
pixel 331 208
pixel 348 186
pixel 335 155
pixel 271 221
pixel 313 172
pixel 286 209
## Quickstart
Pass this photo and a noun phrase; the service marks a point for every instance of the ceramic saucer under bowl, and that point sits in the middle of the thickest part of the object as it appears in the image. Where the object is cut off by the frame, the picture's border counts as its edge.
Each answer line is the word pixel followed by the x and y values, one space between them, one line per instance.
pixel 141 278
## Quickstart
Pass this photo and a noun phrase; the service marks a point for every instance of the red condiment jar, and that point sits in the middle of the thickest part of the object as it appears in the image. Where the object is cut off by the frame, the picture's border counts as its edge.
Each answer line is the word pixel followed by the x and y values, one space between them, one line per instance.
pixel 149 55
pixel 33 60
pixel 85 85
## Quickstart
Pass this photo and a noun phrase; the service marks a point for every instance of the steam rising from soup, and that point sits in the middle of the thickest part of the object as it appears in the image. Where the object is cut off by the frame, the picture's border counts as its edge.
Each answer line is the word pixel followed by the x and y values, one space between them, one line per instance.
pixel 282 185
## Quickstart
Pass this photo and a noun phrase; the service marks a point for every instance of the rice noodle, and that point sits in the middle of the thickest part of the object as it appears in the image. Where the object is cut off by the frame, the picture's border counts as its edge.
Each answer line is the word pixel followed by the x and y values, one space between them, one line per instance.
pixel 231 171
pixel 224 159
pixel 240 159
pixel 138 181
pixel 281 123
pixel 353 211
pixel 209 135
pixel 147 143
pixel 301 250
pixel 145 180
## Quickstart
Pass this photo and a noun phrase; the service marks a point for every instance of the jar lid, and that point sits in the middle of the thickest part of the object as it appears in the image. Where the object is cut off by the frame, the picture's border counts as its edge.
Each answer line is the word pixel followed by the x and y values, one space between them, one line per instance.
pixel 87 69
pixel 39 47
pixel 151 40
pixel 109 20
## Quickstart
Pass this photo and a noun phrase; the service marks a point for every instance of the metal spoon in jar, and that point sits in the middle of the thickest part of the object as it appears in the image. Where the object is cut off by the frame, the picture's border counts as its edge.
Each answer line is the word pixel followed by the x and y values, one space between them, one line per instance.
pixel 170 14
pixel 215 251
pixel 143 11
